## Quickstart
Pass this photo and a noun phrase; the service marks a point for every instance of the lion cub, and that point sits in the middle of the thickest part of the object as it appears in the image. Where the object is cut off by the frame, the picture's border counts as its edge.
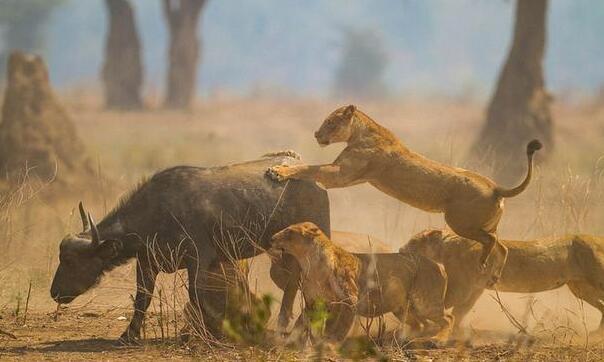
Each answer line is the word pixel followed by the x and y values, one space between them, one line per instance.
pixel 472 204
pixel 368 285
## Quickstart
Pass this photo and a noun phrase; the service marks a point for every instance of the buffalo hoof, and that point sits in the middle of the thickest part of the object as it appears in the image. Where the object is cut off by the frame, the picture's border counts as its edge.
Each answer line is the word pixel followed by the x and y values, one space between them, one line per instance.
pixel 184 337
pixel 128 339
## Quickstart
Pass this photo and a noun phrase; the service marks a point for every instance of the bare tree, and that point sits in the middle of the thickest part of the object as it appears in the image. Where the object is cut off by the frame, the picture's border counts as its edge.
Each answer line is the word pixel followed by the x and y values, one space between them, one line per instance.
pixel 182 17
pixel 519 110
pixel 122 72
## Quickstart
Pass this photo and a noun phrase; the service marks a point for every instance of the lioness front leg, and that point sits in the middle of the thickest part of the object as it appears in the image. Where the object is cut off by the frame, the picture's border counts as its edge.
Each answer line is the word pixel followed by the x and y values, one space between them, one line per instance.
pixel 330 176
pixel 345 171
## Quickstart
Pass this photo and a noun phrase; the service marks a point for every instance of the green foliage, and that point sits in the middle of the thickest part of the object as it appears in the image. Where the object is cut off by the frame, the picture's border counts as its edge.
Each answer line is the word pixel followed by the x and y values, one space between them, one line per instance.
pixel 317 317
pixel 247 317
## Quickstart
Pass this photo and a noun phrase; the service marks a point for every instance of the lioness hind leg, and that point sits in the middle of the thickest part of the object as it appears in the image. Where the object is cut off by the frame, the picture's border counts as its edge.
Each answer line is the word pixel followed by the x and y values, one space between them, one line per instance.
pixel 592 295
pixel 487 239
pixel 479 224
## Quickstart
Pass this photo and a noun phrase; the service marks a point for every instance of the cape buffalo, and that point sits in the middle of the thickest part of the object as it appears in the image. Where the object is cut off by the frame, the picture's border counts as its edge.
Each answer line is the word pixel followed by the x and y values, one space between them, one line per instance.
pixel 193 218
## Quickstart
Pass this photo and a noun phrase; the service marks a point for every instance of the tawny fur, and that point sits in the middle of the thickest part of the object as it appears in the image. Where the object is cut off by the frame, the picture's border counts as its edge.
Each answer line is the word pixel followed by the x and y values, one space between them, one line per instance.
pixel 283 268
pixel 472 204
pixel 368 285
pixel 532 266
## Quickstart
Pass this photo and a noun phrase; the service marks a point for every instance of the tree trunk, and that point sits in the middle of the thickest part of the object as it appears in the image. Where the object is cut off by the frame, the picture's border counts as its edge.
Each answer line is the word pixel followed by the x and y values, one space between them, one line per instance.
pixel 182 17
pixel 122 72
pixel 519 110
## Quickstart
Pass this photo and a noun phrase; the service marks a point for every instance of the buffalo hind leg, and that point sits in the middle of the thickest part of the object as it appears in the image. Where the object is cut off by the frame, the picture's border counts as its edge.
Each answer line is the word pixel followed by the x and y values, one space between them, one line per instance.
pixel 198 269
pixel 146 275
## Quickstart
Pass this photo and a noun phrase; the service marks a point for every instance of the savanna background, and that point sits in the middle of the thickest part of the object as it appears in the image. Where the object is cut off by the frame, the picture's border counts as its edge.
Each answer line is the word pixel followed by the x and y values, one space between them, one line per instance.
pixel 450 79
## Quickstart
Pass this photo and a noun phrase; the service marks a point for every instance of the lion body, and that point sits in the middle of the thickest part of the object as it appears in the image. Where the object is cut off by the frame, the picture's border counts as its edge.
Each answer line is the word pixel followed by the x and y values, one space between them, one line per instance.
pixel 472 204
pixel 531 267
pixel 368 285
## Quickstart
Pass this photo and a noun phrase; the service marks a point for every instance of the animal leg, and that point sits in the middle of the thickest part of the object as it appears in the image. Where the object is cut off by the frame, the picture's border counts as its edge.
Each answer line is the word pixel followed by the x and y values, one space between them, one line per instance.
pixel 429 303
pixel 347 170
pixel 487 239
pixel 339 322
pixel 198 273
pixel 460 311
pixel 146 276
pixel 593 296
pixel 301 329
pixel 285 273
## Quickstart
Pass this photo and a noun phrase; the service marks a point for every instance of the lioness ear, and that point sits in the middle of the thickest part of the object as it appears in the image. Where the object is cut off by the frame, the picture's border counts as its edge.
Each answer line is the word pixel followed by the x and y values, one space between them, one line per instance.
pixel 434 234
pixel 311 231
pixel 109 249
pixel 349 111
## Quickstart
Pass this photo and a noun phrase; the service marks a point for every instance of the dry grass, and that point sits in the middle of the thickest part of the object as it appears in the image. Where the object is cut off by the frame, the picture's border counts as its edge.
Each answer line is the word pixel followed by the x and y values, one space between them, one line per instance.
pixel 566 197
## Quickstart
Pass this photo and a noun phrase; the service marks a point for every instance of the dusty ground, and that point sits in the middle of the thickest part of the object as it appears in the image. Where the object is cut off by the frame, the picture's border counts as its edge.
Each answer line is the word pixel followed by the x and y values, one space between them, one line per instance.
pixel 567 196
pixel 84 335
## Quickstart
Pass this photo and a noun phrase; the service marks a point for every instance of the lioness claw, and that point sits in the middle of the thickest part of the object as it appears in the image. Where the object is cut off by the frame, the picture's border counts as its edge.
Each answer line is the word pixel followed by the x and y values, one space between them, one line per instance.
pixel 274 174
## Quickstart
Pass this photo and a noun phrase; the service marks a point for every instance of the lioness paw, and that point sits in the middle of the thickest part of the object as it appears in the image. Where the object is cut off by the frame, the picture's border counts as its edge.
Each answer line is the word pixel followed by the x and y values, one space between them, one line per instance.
pixel 277 173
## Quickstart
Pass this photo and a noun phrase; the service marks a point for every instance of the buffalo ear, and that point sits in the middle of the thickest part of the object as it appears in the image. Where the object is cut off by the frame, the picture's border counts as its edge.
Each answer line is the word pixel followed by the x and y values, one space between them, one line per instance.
pixel 109 249
pixel 349 111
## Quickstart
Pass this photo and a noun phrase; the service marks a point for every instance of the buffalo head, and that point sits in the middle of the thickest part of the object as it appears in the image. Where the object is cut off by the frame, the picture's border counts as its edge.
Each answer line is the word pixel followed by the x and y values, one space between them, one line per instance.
pixel 82 260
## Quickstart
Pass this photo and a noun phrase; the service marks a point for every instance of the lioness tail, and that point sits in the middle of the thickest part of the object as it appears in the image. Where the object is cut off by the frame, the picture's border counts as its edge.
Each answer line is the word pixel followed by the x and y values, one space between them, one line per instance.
pixel 531 148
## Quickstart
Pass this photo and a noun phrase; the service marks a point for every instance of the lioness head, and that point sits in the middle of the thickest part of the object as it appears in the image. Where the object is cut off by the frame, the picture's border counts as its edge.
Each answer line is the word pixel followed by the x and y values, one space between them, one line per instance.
pixel 297 239
pixel 428 243
pixel 432 244
pixel 337 127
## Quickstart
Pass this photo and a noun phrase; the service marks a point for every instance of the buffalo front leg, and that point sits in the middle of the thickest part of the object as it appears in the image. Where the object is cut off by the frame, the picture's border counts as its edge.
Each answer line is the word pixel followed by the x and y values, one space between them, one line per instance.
pixel 145 284
pixel 285 273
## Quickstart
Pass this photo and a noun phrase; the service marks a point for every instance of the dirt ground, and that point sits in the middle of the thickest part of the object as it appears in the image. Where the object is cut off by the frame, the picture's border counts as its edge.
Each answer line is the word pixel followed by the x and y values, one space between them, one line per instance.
pixel 565 197
pixel 91 335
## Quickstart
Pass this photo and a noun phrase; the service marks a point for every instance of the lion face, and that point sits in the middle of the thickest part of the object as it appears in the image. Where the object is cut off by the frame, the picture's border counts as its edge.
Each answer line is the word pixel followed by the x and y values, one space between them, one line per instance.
pixel 337 127
pixel 296 239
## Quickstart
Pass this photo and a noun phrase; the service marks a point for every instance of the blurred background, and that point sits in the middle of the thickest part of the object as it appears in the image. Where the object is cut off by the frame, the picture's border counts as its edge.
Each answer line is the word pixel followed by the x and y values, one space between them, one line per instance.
pixel 425 48
pixel 124 88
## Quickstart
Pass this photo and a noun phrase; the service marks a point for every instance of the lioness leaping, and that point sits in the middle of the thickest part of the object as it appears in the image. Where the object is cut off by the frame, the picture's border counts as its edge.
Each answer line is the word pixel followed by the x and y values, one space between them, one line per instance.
pixel 472 204
pixel 532 266
pixel 365 284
